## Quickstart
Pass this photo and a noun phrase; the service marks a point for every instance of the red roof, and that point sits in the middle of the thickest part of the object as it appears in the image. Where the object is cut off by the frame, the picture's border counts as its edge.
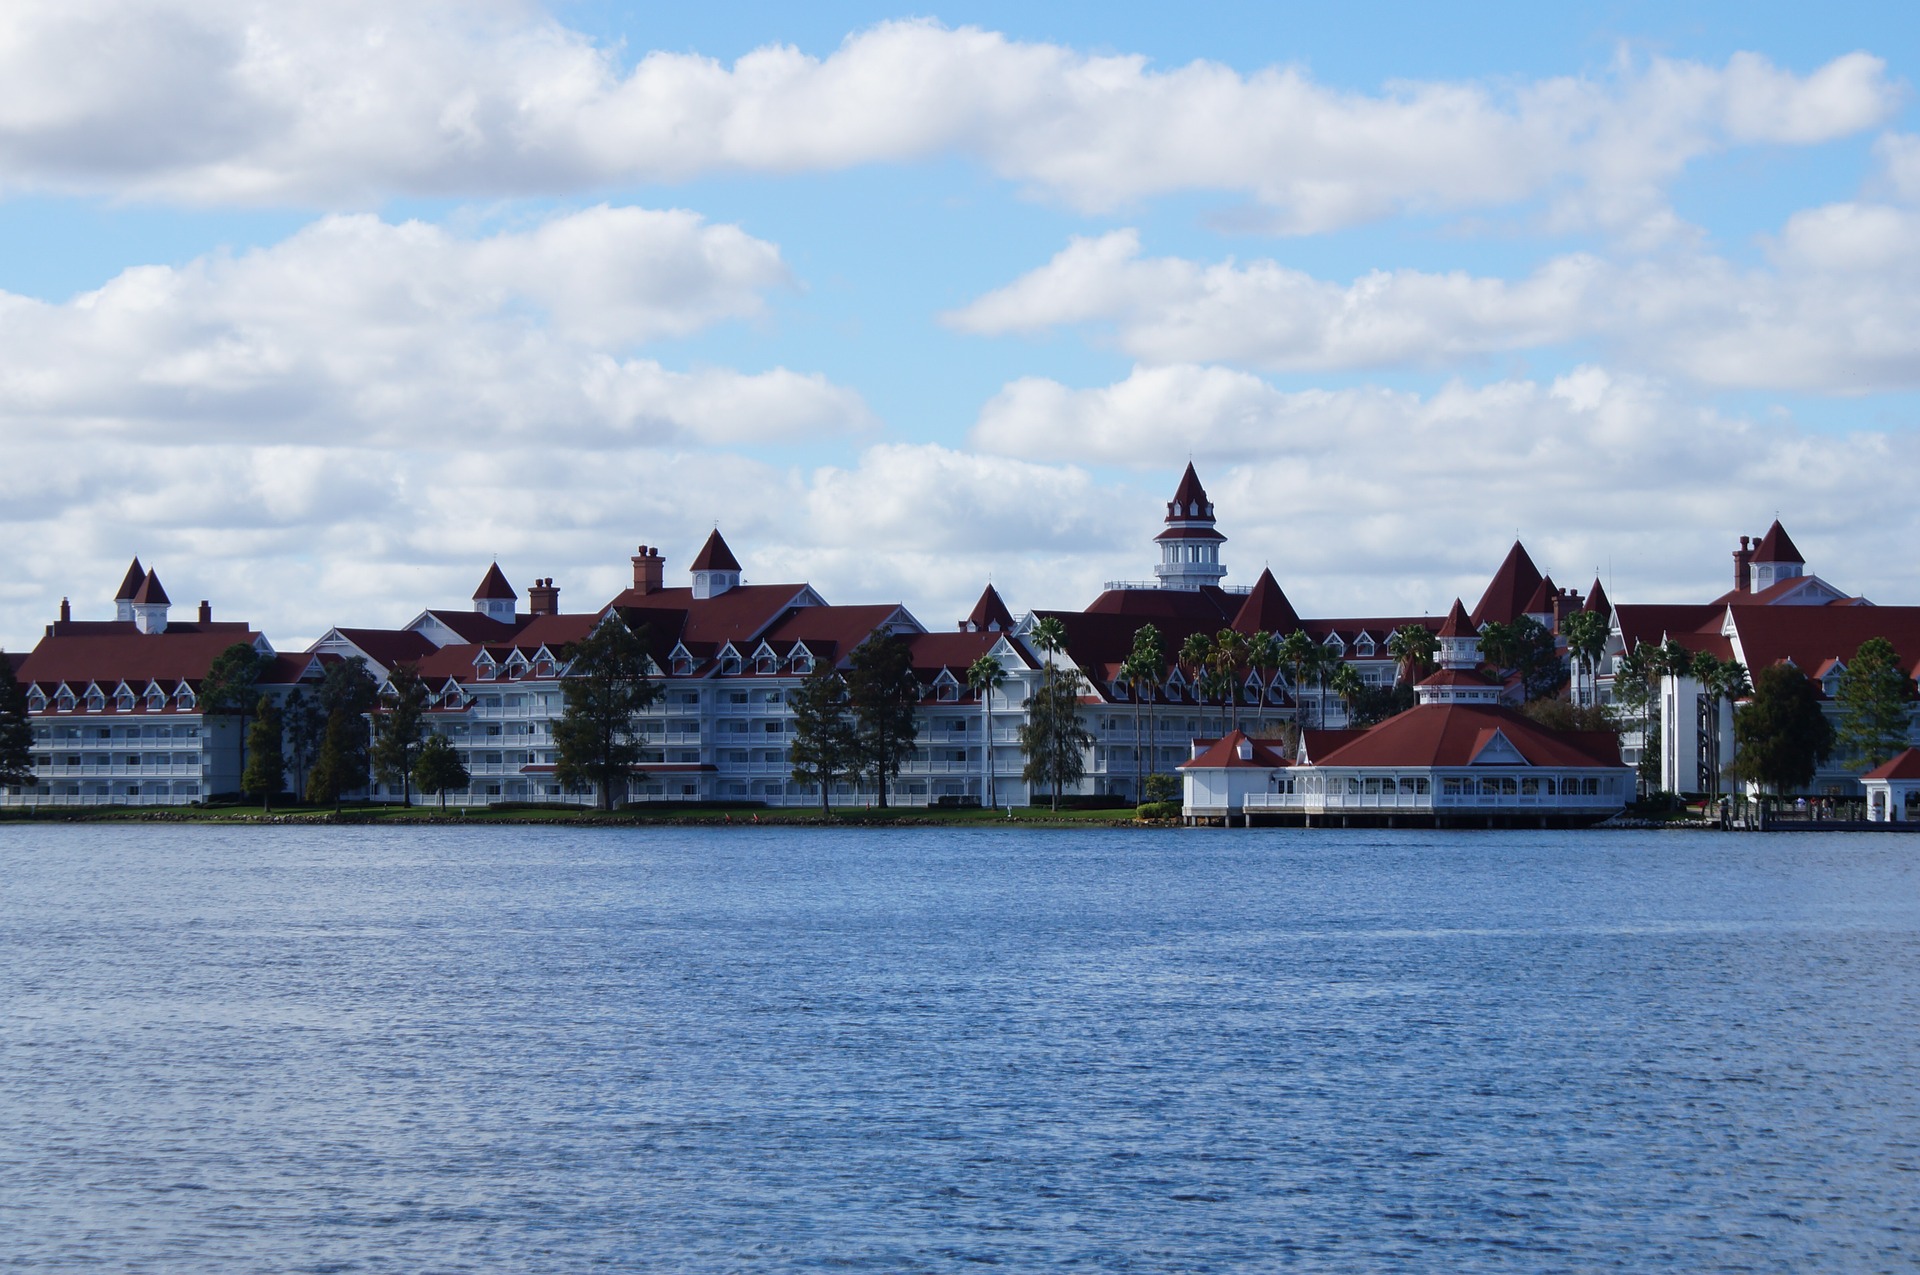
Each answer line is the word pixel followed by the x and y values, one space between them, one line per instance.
pixel 1906 765
pixel 1454 734
pixel 471 626
pixel 1507 594
pixel 989 611
pixel 1188 492
pixel 390 647
pixel 131 582
pixel 1597 600
pixel 1650 622
pixel 1266 608
pixel 1542 600
pixel 125 654
pixel 1810 635
pixel 1458 623
pixel 150 593
pixel 1456 677
pixel 1224 754
pixel 494 587
pixel 715 556
pixel 1191 533
pixel 1777 546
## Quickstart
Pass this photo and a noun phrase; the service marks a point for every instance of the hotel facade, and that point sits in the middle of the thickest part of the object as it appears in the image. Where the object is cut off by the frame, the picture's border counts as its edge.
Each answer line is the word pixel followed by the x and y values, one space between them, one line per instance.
pixel 116 718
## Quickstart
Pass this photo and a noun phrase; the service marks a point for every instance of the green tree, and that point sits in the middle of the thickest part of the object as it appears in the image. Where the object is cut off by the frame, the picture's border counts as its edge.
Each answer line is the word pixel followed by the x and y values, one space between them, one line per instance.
pixel 984 677
pixel 1720 680
pixel 1264 658
pixel 1586 633
pixel 885 696
pixel 607 684
pixel 266 772
pixel 826 748
pixel 230 689
pixel 346 697
pixel 1414 648
pixel 1053 738
pixel 1873 703
pixel 1228 658
pixel 1196 659
pixel 1782 735
pixel 1148 661
pixel 1564 714
pixel 1634 696
pixel 398 729
pixel 1323 662
pixel 1346 684
pixel 437 768
pixel 16 730
pixel 1296 651
pixel 305 725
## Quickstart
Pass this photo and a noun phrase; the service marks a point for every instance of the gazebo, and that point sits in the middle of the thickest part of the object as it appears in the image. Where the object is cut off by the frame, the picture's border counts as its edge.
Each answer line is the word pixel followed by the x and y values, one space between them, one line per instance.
pixel 1891 785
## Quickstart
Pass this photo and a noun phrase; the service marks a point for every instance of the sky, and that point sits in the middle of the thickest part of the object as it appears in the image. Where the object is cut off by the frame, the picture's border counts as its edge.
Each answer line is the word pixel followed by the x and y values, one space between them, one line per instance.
pixel 319 308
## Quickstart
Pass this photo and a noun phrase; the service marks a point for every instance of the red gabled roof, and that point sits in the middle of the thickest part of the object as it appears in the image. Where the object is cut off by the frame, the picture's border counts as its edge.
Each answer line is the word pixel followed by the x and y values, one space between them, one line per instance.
pixel 131 582
pixel 128 655
pixel 471 626
pixel 1187 493
pixel 1542 600
pixel 715 556
pixel 1456 677
pixel 390 647
pixel 494 586
pixel 1650 622
pixel 1458 623
pixel 1454 734
pixel 1266 609
pixel 832 633
pixel 1905 765
pixel 1224 754
pixel 1777 546
pixel 1512 585
pixel 989 611
pixel 150 593
pixel 1811 635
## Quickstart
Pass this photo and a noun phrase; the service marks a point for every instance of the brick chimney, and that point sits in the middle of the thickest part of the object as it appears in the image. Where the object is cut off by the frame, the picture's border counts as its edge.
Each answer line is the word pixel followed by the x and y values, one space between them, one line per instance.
pixel 206 611
pixel 544 597
pixel 1743 566
pixel 649 570
pixel 66 611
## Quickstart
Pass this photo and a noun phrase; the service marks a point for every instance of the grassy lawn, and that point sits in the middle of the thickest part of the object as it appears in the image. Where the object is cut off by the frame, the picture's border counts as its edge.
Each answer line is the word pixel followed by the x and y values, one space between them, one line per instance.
pixel 1035 816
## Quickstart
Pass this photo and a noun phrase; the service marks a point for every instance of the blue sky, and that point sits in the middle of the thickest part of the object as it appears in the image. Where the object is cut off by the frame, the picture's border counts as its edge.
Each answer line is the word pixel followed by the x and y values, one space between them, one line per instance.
pixel 319 307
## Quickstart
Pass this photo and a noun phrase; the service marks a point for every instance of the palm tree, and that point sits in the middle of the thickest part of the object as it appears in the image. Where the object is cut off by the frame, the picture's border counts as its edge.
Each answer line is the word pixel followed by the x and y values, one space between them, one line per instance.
pixel 1719 680
pixel 1196 654
pixel 1263 656
pixel 1050 635
pixel 1149 656
pixel 1320 667
pixel 1415 647
pixel 1586 634
pixel 1296 651
pixel 985 676
pixel 1229 657
pixel 1347 685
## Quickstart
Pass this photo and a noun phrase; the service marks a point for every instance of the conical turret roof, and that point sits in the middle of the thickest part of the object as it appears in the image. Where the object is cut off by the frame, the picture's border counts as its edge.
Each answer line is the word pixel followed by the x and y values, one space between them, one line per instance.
pixel 131 582
pixel 1187 495
pixel 150 593
pixel 1512 585
pixel 1266 608
pixel 1777 546
pixel 1541 600
pixel 1458 623
pixel 990 611
pixel 1597 601
pixel 715 556
pixel 494 586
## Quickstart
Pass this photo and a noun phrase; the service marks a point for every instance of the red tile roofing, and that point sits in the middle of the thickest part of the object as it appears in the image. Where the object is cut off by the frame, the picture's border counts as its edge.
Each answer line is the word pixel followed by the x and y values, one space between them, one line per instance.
pixel 1224 754
pixel 1453 734
pixel 1597 600
pixel 494 586
pixel 1188 492
pixel 1906 765
pixel 1809 635
pixel 989 611
pixel 1777 546
pixel 1458 623
pixel 389 647
pixel 1191 533
pixel 715 556
pixel 129 655
pixel 1542 600
pixel 150 593
pixel 131 582
pixel 471 626
pixel 1506 596
pixel 1266 608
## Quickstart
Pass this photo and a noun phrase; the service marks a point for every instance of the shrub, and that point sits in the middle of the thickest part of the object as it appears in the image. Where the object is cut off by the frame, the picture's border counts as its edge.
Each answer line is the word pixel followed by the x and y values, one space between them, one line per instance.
pixel 1157 810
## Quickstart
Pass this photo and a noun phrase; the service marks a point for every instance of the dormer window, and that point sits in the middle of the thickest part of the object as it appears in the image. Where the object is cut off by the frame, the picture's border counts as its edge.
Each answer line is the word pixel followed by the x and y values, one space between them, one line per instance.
pixel 183 698
pixel 766 664
pixel 36 702
pixel 156 700
pixel 543 668
pixel 1364 647
pixel 63 700
pixel 124 701
pixel 803 663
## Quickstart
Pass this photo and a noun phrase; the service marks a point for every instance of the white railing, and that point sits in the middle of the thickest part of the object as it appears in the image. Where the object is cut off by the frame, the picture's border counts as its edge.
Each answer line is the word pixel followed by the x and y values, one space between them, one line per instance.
pixel 1318 803
pixel 154 770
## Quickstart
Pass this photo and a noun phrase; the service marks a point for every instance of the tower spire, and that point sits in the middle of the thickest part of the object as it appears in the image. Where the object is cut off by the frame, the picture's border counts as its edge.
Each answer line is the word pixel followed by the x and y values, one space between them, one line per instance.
pixel 1190 546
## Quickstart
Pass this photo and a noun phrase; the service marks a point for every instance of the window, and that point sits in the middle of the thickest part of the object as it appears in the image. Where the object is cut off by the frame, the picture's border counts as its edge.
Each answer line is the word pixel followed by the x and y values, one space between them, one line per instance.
pixel 736 697
pixel 729 665
pixel 949 691
pixel 95 701
pixel 766 664
pixel 124 701
pixel 156 700
pixel 682 666
pixel 803 664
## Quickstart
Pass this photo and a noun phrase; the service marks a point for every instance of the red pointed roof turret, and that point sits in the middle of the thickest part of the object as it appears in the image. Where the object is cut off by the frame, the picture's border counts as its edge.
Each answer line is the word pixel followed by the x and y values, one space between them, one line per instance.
pixel 1597 601
pixel 715 556
pixel 1777 546
pixel 1458 623
pixel 150 593
pixel 1266 608
pixel 131 582
pixel 990 613
pixel 1189 498
pixel 1512 585
pixel 1541 601
pixel 494 587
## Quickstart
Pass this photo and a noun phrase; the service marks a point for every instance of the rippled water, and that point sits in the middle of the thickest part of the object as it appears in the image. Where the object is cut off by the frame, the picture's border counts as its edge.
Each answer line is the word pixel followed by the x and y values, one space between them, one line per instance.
pixel 684 1050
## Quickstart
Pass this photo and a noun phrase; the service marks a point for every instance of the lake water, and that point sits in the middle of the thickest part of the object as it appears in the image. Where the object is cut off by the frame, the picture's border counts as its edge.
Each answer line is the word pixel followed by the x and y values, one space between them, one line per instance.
pixel 754 1049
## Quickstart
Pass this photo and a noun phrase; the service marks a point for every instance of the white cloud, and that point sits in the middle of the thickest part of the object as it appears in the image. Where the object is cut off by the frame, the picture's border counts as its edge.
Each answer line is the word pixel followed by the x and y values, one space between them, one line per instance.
pixel 351 100
pixel 356 330
pixel 1837 310
pixel 1359 497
